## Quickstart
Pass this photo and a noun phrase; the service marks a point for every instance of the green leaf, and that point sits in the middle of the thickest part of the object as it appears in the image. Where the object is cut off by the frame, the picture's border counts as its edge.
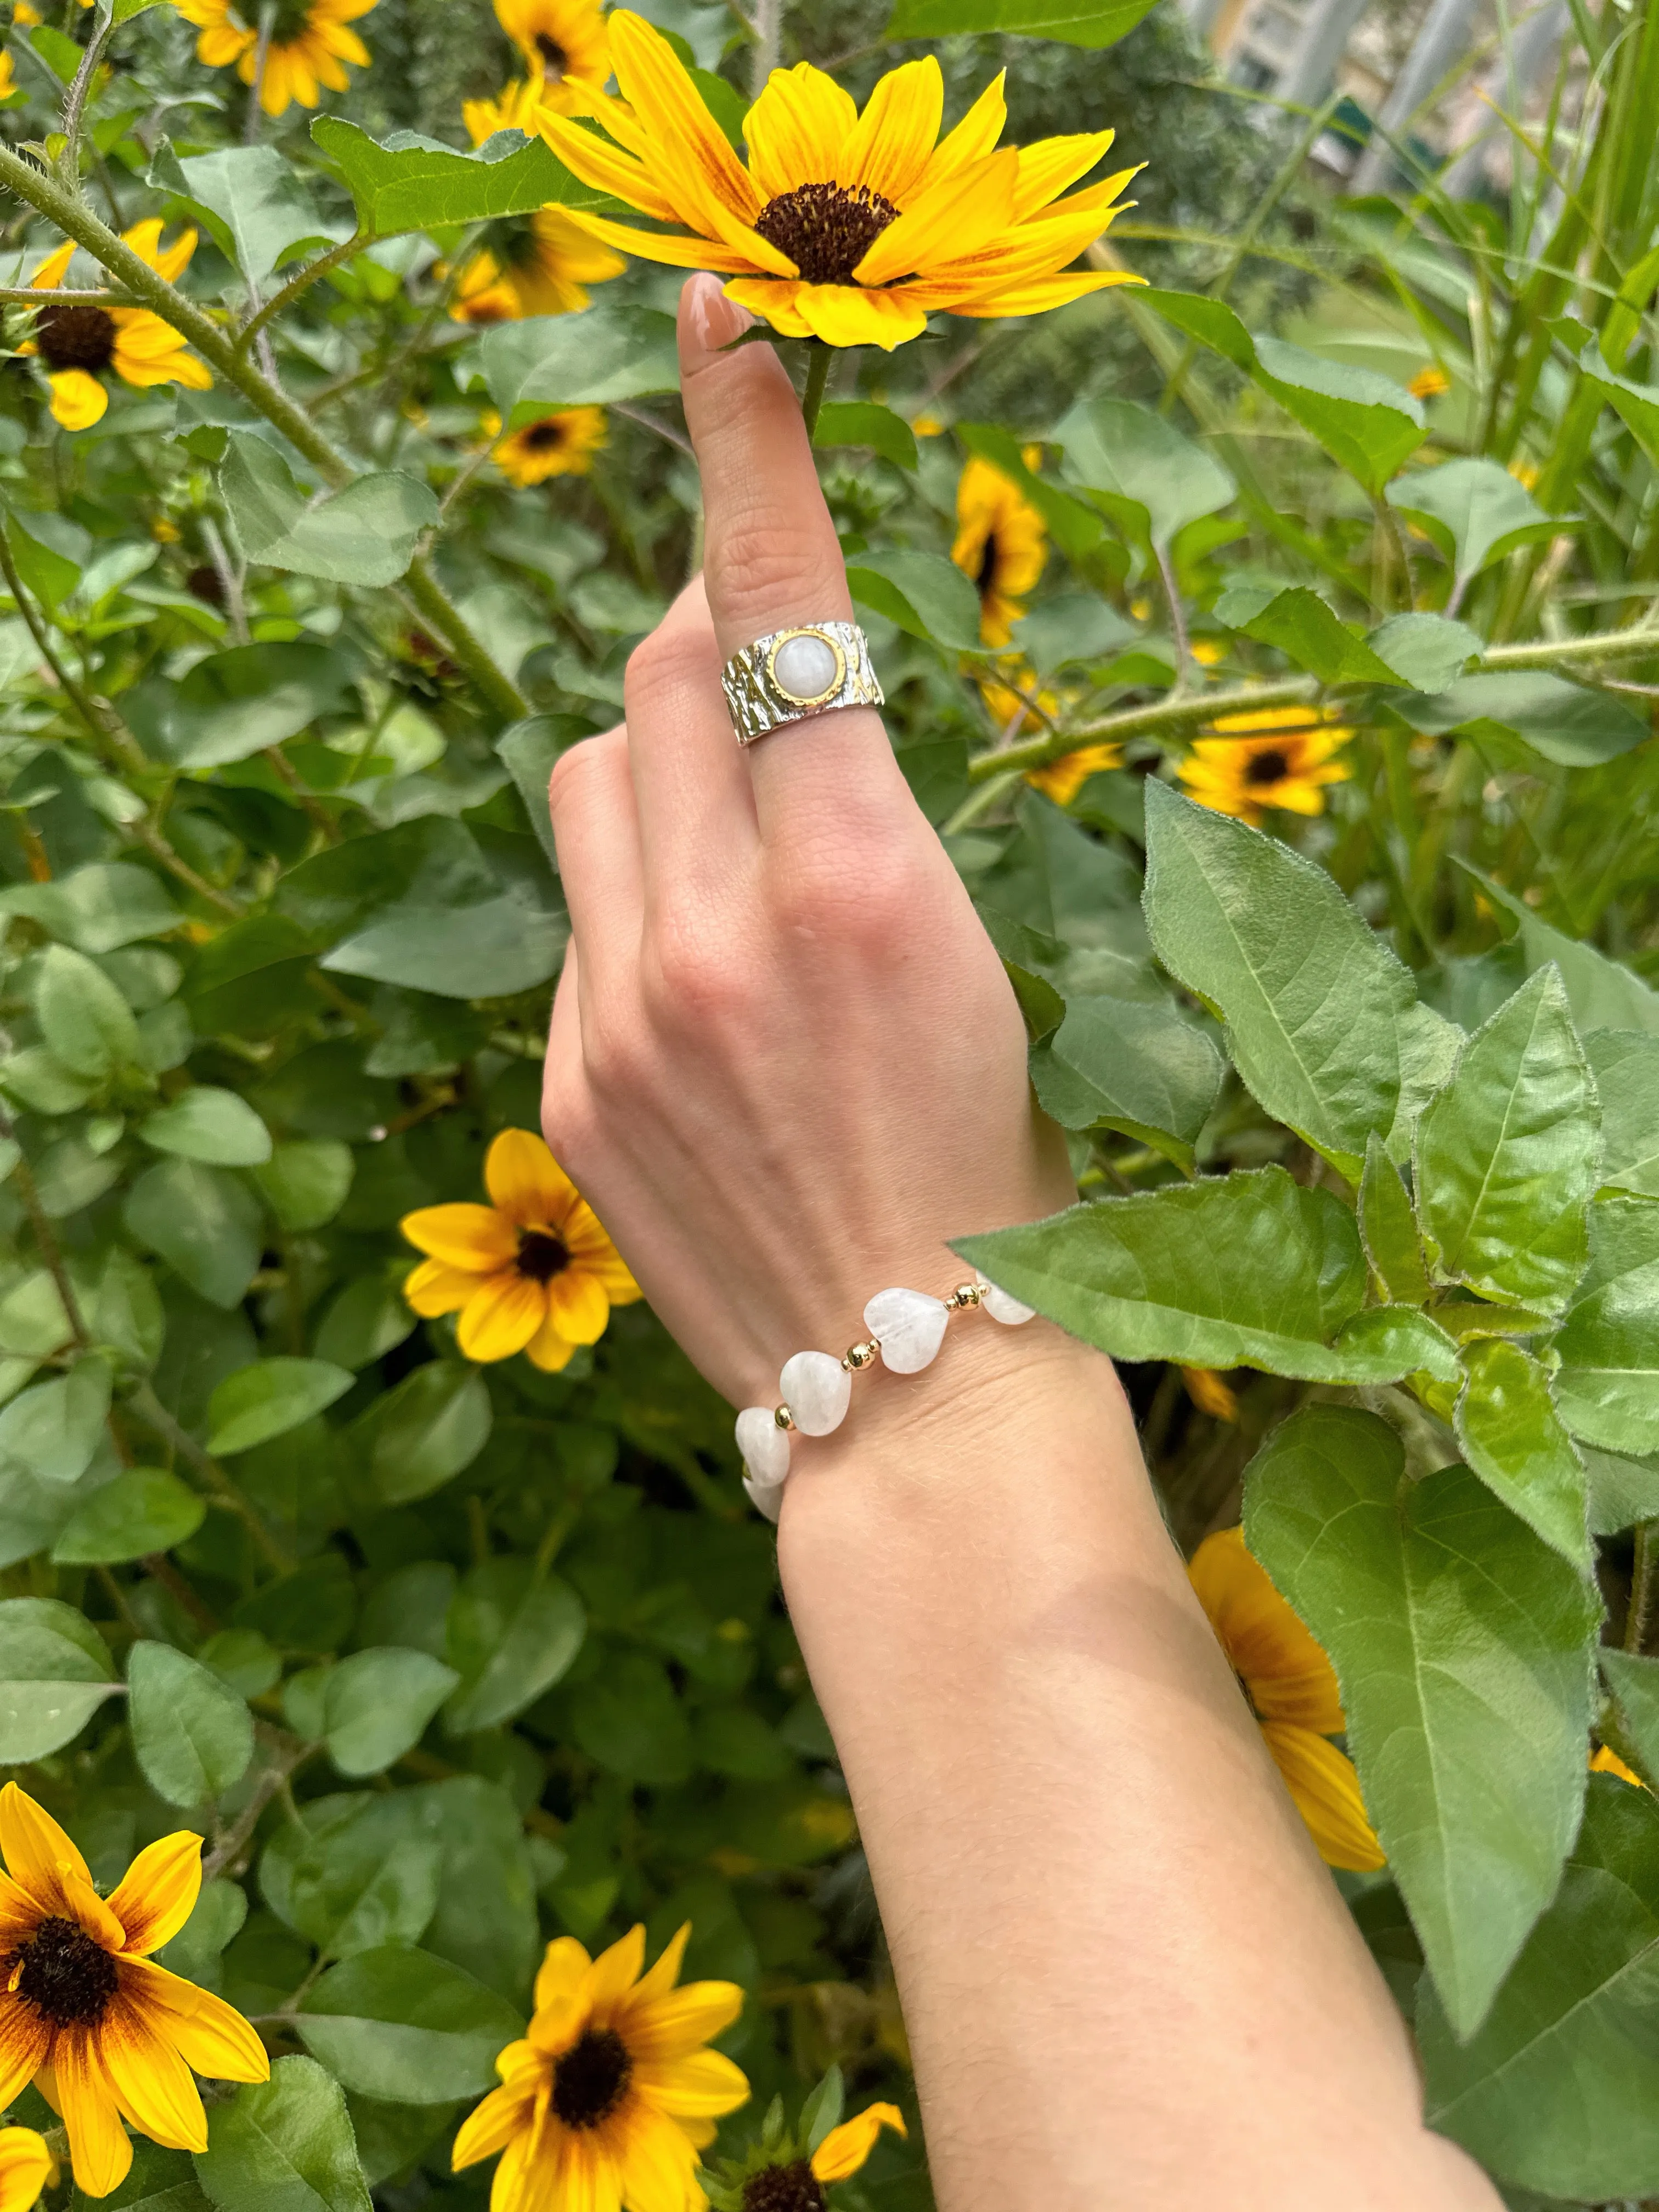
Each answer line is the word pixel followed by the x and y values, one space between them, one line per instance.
pixel 1245 1270
pixel 529 750
pixel 1626 1065
pixel 1634 1682
pixel 1129 1065
pixel 606 353
pixel 1425 652
pixel 252 203
pixel 285 2145
pixel 203 1222
pixel 365 534
pixel 924 593
pixel 1317 1008
pixel 158 2181
pixel 1636 404
pixel 205 1123
pixel 629 1720
pixel 1302 627
pixel 423 1431
pixel 99 908
pixel 1148 477
pixel 145 1509
pixel 55 1671
pixel 1071 628
pixel 270 1398
pixel 305 1184
pixel 1463 1648
pixel 1212 322
pixel 377 1704
pixel 1622 1491
pixel 862 423
pixel 215 1919
pixel 310 1610
pixel 1077 22
pixel 511 1636
pixel 1559 2090
pixel 1511 1435
pixel 1388 1228
pixel 1564 722
pixel 235 704
pixel 1073 525
pixel 53 1428
pixel 491 951
pixel 1507 1154
pixel 1367 424
pixel 1474 511
pixel 191 1735
pixel 1607 1386
pixel 369 1318
pixel 353 1873
pixel 406 2027
pixel 405 182
pixel 822 2111
pixel 85 1021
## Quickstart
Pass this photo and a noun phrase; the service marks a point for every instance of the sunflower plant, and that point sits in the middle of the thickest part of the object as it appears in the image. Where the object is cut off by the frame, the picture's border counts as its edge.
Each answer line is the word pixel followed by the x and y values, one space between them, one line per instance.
pixel 413 1782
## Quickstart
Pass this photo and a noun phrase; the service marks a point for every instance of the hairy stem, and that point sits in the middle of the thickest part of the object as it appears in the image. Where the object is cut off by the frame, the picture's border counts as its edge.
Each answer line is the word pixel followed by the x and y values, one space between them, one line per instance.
pixel 818 359
pixel 434 603
pixel 279 303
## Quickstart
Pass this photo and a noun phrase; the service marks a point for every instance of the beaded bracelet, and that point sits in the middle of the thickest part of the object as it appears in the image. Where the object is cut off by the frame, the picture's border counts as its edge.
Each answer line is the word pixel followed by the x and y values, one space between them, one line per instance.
pixel 906 1329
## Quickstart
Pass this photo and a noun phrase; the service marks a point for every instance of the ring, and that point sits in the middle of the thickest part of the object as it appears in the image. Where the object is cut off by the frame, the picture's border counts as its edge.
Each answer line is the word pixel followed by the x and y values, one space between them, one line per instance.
pixel 809 669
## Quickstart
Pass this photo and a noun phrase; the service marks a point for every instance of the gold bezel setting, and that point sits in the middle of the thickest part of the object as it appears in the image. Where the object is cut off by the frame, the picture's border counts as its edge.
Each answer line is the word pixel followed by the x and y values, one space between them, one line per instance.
pixel 759 700
pixel 806 698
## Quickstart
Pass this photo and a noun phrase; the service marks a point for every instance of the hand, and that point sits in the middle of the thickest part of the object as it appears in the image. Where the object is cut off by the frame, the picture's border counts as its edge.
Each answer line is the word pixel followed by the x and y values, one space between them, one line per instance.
pixel 785 1065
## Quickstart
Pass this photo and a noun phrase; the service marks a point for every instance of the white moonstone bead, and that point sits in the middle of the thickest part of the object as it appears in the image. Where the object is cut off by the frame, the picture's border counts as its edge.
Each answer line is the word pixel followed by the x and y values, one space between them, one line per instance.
pixel 765 1445
pixel 910 1326
pixel 1001 1307
pixel 817 1390
pixel 766 1498
pixel 804 666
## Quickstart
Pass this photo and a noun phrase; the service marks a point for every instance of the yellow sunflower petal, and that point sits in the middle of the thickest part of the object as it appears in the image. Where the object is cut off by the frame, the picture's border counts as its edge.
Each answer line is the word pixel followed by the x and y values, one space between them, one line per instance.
pixel 1326 1790
pixel 848 315
pixel 474 1237
pixel 492 2124
pixel 845 2148
pixel 776 301
pixel 703 2085
pixel 896 133
pixel 157 1893
pixel 974 137
pixel 608 168
pixel 613 1973
pixel 1287 1676
pixel 591 2180
pixel 1040 294
pixel 37 1851
pixel 20 1914
pixel 1048 168
pixel 658 2163
pixel 26 2167
pixel 154 2087
pixel 693 148
pixel 577 1306
pixel 525 1181
pixel 1602 1761
pixel 953 217
pixel 796 130
pixel 223 45
pixel 672 2026
pixel 671 250
pixel 53 270
pixel 659 1980
pixel 500 1318
pixel 550 1350
pixel 25 2042
pixel 435 1288
pixel 559 1978
pixel 100 2150
pixel 211 2036
pixel 78 400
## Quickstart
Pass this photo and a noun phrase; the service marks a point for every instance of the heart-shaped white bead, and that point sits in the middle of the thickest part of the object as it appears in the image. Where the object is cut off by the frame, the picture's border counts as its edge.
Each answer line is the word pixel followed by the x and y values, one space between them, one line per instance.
pixel 817 1390
pixel 765 1445
pixel 910 1327
pixel 1001 1307
pixel 766 1498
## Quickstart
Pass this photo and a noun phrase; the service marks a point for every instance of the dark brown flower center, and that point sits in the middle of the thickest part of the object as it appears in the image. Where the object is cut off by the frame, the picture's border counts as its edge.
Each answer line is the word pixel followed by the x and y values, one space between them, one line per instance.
pixel 985 576
pixel 291 21
pixel 784 2189
pixel 541 1254
pixel 75 337
pixel 543 437
pixel 64 1974
pixel 206 585
pixel 589 2080
pixel 1269 767
pixel 554 60
pixel 826 229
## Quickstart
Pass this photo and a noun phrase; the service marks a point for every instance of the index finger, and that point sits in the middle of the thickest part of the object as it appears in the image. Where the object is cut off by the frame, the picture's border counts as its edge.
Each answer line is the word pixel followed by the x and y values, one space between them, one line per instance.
pixel 772 557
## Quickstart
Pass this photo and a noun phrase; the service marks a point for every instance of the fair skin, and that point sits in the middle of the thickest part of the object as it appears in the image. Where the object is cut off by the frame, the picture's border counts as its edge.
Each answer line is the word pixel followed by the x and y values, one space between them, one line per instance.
pixel 786 1066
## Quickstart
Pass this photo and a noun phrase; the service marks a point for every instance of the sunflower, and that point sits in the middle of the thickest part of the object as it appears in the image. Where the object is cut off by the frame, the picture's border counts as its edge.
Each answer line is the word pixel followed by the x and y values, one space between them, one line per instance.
pixel 1601 1761
pixel 1293 1691
pixel 26 2168
pixel 845 227
pixel 8 85
pixel 608 2100
pixel 1270 756
pixel 531 1271
pixel 1001 544
pixel 308 46
pixel 79 343
pixel 566 43
pixel 1429 382
pixel 537 265
pixel 780 2175
pixel 559 444
pixel 1061 780
pixel 103 2034
pixel 1211 1393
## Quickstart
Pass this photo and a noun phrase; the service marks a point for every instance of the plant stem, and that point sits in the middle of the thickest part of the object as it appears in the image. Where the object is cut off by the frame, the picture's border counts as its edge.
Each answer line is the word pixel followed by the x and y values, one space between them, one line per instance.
pixel 767 24
pixel 1641 1585
pixel 434 603
pixel 74 106
pixel 148 1408
pixel 818 359
pixel 32 295
pixel 279 301
pixel 45 1237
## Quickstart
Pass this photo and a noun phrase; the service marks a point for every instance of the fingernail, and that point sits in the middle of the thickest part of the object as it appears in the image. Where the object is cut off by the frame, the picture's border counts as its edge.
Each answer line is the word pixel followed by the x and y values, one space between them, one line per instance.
pixel 709 323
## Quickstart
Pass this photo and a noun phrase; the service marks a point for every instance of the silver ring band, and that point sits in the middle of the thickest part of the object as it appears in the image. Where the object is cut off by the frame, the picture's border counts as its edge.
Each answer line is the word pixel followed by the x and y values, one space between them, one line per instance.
pixel 811 668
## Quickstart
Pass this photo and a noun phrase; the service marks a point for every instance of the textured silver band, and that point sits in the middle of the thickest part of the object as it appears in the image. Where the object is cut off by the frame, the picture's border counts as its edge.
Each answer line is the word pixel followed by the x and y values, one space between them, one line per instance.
pixel 758 701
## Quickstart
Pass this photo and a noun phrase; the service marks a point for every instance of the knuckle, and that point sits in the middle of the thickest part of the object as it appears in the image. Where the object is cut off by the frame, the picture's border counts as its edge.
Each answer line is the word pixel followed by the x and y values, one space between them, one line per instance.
pixel 694 980
pixel 671 660
pixel 763 559
pixel 864 898
pixel 575 768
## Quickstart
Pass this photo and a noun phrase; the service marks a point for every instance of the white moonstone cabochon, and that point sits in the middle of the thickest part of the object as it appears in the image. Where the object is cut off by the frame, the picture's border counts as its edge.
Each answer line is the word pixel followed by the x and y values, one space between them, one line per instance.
pixel 817 1390
pixel 766 1498
pixel 804 666
pixel 1002 1308
pixel 765 1445
pixel 910 1326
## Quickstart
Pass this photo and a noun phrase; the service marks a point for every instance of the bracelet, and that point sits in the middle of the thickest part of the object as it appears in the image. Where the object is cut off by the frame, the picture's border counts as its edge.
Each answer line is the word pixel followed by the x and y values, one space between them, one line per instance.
pixel 906 1329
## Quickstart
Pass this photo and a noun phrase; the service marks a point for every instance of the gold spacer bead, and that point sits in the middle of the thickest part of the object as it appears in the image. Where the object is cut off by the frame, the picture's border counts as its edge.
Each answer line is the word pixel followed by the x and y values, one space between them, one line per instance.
pixel 965 1294
pixel 861 1355
pixel 784 1418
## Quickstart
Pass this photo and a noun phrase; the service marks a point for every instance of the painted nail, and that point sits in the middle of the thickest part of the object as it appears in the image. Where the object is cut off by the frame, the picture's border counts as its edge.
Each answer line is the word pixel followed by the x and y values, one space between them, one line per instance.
pixel 709 323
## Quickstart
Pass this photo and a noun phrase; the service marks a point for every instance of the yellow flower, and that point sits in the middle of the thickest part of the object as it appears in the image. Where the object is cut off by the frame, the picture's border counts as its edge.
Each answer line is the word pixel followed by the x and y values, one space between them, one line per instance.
pixel 104 2033
pixel 1292 1690
pixel 1206 652
pixel 1602 1761
pixel 1210 1392
pixel 1270 756
pixel 24 17
pixel 926 425
pixel 845 2148
pixel 559 444
pixel 309 44
pixel 1061 780
pixel 1525 473
pixel 608 2100
pixel 8 77
pixel 531 1271
pixel 1429 383
pixel 1000 545
pixel 539 264
pixel 79 343
pixel 566 45
pixel 27 2167
pixel 848 227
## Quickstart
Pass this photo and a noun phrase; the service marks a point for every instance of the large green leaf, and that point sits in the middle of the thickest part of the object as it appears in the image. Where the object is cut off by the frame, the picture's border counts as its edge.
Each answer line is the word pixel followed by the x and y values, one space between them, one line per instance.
pixel 1463 1647
pixel 268 1398
pixel 85 1022
pixel 1507 1154
pixel 1387 1225
pixel 53 1428
pixel 285 2145
pixel 1322 1021
pixel 1148 475
pixel 364 534
pixel 492 951
pixel 377 1703
pixel 1132 1065
pixel 1638 405
pixel 191 1735
pixel 203 1222
pixel 1367 424
pixel 1078 22
pixel 1474 510
pixel 423 1431
pixel 863 423
pixel 606 354
pixel 99 908
pixel 922 592
pixel 1305 629
pixel 1568 723
pixel 1607 1386
pixel 55 1671
pixel 1626 1065
pixel 234 704
pixel 511 1634
pixel 405 182
pixel 1560 2090
pixel 142 1511
pixel 1634 1681
pixel 209 1124
pixel 1247 1270
pixel 1603 993
pixel 353 1873
pixel 252 203
pixel 407 2026
pixel 1513 1438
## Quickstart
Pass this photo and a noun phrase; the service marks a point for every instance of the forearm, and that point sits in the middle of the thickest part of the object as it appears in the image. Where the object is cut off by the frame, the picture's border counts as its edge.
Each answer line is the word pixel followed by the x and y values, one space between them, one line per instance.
pixel 1127 1976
